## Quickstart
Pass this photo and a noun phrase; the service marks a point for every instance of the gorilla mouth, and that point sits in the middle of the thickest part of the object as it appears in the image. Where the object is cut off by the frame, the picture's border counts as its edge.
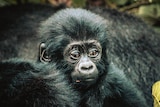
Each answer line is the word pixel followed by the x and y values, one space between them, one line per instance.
pixel 90 79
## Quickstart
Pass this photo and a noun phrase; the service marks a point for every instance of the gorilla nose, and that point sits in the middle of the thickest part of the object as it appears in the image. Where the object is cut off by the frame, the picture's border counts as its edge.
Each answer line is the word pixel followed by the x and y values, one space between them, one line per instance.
pixel 86 68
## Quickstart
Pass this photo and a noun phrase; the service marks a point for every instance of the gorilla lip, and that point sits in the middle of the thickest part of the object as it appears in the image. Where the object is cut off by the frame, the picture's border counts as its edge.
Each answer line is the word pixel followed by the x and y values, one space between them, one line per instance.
pixel 89 79
pixel 77 81
pixel 85 79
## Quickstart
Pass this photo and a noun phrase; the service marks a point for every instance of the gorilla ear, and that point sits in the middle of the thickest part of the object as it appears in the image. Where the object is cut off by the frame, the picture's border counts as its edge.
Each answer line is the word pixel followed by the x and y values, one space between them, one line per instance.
pixel 43 54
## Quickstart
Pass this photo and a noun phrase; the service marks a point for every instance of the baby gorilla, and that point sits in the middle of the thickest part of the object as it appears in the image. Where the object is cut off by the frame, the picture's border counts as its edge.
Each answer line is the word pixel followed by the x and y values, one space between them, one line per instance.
pixel 76 41
pixel 25 84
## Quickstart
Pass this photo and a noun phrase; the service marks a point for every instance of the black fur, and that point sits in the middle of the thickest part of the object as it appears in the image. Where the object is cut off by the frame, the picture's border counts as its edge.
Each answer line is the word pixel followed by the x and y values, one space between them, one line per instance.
pixel 132 46
pixel 112 89
pixel 18 26
pixel 27 84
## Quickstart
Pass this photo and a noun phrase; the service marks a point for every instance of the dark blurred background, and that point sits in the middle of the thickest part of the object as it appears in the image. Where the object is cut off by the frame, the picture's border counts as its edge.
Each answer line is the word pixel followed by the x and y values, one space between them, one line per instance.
pixel 148 10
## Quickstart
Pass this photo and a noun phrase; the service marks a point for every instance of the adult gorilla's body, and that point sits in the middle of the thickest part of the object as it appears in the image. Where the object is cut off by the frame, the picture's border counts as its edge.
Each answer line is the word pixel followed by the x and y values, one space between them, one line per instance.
pixel 28 84
pixel 133 46
pixel 75 43
pixel 19 26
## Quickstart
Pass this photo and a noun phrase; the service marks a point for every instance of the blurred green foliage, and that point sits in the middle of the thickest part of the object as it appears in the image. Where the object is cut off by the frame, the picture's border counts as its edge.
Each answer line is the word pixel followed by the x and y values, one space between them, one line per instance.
pixel 78 3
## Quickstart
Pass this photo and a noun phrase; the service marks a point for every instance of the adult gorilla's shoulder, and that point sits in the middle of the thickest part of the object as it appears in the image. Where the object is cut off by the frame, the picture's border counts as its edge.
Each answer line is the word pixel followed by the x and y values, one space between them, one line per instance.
pixel 28 84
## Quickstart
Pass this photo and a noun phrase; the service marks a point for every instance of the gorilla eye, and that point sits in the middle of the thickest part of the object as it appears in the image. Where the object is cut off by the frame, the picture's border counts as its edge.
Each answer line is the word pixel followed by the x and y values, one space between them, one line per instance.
pixel 93 53
pixel 75 54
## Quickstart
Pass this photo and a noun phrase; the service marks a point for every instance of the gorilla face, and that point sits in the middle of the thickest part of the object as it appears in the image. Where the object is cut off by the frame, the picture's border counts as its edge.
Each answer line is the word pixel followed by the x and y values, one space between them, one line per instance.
pixel 83 56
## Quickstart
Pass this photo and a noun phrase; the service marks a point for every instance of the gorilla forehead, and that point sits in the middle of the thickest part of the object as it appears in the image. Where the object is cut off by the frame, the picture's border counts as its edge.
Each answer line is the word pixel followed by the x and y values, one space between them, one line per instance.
pixel 75 24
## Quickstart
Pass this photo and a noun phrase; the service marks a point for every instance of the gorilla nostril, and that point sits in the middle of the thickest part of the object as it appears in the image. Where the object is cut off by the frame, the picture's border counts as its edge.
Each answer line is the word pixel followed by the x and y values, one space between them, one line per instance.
pixel 91 67
pixel 87 67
